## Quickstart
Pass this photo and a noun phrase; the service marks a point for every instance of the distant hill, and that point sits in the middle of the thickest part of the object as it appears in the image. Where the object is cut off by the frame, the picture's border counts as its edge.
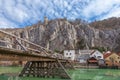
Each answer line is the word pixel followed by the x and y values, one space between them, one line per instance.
pixel 111 23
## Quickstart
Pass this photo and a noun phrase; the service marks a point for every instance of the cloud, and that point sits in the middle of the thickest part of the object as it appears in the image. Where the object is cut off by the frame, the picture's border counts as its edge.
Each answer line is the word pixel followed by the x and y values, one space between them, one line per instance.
pixel 101 8
pixel 20 13
pixel 115 12
pixel 4 23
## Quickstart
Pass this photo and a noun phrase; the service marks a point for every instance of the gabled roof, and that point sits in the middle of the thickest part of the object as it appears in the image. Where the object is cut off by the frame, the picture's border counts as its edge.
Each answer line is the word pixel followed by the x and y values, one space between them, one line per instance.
pixel 86 51
pixel 108 54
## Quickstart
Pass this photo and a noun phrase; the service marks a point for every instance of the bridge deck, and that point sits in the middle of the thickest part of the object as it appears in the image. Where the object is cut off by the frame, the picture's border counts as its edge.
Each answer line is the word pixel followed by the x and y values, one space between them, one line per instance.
pixel 7 54
pixel 13 54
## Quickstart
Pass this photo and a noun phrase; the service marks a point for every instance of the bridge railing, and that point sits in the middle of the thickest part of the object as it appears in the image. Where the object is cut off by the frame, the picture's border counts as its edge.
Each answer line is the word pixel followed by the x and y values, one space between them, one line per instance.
pixel 6 44
pixel 12 41
pixel 7 39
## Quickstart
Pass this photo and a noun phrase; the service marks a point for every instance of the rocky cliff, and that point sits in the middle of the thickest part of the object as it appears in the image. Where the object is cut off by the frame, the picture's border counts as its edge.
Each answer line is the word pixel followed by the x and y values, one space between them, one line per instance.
pixel 109 33
pixel 60 34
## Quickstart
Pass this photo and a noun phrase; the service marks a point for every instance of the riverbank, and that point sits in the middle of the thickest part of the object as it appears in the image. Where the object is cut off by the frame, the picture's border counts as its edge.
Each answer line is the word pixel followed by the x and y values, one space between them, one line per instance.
pixel 86 67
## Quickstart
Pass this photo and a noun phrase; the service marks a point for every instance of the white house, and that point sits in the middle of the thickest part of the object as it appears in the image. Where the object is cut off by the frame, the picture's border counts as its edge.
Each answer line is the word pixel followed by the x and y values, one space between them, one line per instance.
pixel 70 54
pixel 84 55
pixel 96 54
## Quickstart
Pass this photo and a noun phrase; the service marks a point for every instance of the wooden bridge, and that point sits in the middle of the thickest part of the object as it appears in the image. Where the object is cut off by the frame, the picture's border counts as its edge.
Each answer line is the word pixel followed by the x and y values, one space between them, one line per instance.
pixel 41 61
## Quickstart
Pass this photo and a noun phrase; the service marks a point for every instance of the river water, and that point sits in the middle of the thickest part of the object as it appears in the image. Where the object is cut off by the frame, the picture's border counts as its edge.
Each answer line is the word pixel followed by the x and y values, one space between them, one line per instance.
pixel 77 74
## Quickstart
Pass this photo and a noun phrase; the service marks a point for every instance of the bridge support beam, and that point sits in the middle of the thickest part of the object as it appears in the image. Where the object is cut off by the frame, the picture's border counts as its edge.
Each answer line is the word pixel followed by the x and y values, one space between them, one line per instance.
pixel 67 65
pixel 45 69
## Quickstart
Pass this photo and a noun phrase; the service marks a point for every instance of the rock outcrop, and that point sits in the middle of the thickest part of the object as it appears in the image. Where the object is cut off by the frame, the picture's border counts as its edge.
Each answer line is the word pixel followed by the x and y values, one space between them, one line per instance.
pixel 60 34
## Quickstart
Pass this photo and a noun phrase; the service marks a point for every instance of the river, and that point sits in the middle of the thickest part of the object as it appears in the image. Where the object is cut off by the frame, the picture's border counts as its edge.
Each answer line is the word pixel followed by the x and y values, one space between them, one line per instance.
pixel 77 74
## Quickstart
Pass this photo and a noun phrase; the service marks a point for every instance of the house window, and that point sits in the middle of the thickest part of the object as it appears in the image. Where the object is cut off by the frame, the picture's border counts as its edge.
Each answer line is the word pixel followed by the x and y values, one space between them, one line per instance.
pixel 70 53
pixel 110 58
pixel 99 57
pixel 119 61
pixel 69 57
pixel 94 56
pixel 118 57
pixel 116 61
pixel 66 53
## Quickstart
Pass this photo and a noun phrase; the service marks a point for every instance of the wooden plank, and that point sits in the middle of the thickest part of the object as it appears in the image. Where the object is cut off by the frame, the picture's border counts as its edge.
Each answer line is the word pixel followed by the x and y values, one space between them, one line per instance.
pixel 24 48
pixel 66 75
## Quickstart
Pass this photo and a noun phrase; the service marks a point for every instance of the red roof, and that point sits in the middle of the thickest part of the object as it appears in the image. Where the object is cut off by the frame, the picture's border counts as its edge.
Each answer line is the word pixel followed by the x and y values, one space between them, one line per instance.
pixel 106 55
pixel 119 54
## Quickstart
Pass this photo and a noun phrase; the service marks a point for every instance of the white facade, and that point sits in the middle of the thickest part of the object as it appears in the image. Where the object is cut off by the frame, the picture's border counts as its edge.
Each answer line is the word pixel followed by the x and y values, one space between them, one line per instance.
pixel 96 54
pixel 84 55
pixel 70 54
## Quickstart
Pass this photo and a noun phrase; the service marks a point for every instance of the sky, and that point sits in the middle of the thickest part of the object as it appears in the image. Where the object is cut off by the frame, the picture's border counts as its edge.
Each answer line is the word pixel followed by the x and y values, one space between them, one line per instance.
pixel 21 13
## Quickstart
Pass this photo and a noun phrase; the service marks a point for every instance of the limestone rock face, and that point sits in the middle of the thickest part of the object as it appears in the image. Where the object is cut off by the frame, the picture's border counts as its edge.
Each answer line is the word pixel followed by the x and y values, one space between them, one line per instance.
pixel 61 34
pixel 58 34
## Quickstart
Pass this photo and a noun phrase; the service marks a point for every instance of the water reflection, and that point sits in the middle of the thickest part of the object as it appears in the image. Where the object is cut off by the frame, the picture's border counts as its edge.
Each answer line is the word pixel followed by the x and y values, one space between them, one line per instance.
pixel 95 74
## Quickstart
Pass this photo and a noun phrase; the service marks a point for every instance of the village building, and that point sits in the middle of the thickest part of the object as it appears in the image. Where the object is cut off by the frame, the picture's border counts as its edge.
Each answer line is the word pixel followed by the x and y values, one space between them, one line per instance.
pixel 92 61
pixel 86 54
pixel 69 54
pixel 112 59
pixel 97 54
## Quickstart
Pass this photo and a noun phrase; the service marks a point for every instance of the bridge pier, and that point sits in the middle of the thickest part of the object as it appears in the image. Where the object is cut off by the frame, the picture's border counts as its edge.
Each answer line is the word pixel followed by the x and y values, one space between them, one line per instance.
pixel 44 69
